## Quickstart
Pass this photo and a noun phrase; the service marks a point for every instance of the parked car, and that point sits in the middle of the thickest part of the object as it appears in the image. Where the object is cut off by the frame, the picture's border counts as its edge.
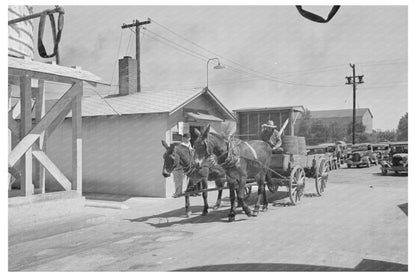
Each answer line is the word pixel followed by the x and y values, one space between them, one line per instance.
pixel 398 160
pixel 332 153
pixel 321 150
pixel 381 150
pixel 361 155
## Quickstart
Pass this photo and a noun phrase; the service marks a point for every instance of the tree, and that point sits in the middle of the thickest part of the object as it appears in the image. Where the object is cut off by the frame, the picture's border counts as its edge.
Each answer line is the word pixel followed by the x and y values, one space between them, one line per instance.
pixel 360 134
pixel 384 136
pixel 319 133
pixel 402 128
pixel 305 123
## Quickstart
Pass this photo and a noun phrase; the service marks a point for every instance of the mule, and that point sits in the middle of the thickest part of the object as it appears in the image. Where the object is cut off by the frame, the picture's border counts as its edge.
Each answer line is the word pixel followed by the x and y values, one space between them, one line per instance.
pixel 178 156
pixel 241 160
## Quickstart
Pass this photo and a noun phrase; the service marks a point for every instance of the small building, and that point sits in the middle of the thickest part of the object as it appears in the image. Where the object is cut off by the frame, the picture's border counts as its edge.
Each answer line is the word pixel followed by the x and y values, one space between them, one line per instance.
pixel 251 119
pixel 122 150
pixel 342 118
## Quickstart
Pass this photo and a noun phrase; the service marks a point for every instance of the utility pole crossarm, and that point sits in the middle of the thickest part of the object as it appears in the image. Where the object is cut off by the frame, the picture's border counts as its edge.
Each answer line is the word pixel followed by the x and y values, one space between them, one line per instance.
pixel 135 23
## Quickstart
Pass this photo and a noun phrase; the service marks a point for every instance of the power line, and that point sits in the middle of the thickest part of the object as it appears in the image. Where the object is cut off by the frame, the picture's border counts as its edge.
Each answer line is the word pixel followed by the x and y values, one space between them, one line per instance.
pixel 175 47
pixel 202 57
pixel 323 69
pixel 238 64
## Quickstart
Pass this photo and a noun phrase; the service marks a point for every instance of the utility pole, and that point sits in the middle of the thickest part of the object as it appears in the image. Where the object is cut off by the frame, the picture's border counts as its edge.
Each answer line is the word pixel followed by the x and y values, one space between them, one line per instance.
pixel 354 84
pixel 136 23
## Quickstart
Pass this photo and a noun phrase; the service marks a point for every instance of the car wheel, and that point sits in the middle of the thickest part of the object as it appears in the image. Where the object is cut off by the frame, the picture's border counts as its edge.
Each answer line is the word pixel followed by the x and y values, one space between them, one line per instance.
pixel 384 172
pixel 348 165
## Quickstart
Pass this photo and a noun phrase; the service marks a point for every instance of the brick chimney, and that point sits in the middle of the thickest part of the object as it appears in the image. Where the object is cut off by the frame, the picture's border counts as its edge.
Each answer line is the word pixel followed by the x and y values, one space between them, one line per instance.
pixel 127 75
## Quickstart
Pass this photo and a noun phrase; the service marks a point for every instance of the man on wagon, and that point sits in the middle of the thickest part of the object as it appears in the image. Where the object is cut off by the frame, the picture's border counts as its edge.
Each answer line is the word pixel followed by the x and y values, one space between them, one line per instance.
pixel 271 135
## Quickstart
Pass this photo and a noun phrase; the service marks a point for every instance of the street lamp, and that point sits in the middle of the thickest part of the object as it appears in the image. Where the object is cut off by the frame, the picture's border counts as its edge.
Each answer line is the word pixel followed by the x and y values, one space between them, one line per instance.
pixel 218 66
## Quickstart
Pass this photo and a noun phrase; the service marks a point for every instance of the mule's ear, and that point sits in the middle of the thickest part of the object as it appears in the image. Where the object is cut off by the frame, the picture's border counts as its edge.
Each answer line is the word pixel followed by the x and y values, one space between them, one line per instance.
pixel 164 143
pixel 197 132
pixel 205 134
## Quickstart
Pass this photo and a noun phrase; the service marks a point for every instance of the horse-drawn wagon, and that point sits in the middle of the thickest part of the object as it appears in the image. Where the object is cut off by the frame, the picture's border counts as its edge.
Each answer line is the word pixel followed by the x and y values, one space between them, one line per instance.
pixel 291 168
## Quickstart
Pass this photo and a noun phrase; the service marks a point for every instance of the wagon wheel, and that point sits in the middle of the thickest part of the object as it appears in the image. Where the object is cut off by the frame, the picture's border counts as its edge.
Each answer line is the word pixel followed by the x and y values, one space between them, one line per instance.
pixel 296 184
pixel 321 176
pixel 247 192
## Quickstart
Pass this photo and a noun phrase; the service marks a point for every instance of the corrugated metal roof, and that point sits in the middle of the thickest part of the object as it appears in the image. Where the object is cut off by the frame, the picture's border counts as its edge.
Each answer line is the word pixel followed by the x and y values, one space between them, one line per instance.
pixel 260 109
pixel 137 103
pixel 53 69
pixel 143 102
pixel 339 113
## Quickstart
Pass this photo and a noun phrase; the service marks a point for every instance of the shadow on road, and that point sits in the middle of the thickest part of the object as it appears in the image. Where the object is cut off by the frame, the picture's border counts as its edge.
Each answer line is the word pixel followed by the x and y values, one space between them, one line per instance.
pixel 364 265
pixel 177 216
pixel 391 174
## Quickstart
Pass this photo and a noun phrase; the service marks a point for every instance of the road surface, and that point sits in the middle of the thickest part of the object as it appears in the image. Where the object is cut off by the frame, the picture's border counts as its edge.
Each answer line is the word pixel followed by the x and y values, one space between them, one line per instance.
pixel 360 223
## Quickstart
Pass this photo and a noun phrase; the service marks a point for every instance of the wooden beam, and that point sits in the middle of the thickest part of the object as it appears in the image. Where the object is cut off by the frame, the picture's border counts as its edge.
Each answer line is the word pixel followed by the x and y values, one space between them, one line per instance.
pixel 57 121
pixel 25 126
pixel 39 179
pixel 52 169
pixel 291 130
pixel 41 76
pixel 77 144
pixel 35 133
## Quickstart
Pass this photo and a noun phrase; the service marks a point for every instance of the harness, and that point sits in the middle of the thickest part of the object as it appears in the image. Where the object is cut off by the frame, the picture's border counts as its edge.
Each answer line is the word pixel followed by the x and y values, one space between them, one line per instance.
pixel 233 153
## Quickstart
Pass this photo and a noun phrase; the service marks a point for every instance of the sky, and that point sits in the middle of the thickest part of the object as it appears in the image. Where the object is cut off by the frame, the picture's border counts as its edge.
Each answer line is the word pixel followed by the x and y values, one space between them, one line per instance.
pixel 272 55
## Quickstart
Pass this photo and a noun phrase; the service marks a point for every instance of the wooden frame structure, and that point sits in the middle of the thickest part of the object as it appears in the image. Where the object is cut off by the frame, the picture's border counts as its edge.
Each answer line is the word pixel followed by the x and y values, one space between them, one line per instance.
pixel 27 156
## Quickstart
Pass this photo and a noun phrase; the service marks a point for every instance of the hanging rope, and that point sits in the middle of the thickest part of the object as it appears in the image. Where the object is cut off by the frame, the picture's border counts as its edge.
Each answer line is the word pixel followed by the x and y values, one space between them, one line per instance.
pixel 317 18
pixel 56 35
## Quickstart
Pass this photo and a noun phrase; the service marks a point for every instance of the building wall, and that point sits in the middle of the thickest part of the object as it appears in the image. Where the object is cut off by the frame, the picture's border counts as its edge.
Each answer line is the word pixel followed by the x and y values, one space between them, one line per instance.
pixel 121 154
pixel 367 121
pixel 200 103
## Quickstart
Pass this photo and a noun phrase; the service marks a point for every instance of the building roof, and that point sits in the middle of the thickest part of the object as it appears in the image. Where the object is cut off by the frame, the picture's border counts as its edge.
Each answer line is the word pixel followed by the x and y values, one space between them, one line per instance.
pixel 145 102
pixel 261 109
pixel 399 143
pixel 339 113
pixel 51 72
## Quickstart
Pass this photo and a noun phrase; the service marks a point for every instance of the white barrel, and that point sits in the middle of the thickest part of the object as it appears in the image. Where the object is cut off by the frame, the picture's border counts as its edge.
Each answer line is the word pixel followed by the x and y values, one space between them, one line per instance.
pixel 302 145
pixel 290 145
pixel 21 39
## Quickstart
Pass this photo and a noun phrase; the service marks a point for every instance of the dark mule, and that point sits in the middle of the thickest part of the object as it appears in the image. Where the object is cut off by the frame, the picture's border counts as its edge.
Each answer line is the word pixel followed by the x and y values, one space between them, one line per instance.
pixel 241 160
pixel 178 156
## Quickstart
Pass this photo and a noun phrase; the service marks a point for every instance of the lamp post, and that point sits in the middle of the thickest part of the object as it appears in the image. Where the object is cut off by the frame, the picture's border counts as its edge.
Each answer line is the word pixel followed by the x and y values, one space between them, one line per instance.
pixel 218 66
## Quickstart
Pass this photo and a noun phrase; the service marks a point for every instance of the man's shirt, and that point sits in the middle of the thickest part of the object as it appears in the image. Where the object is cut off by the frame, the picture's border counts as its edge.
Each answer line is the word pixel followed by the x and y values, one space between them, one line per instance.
pixel 272 137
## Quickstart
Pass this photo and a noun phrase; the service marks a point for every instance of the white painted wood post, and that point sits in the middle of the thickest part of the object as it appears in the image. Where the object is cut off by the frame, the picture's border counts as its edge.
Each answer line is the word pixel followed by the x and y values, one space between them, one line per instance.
pixel 26 125
pixel 77 141
pixel 40 112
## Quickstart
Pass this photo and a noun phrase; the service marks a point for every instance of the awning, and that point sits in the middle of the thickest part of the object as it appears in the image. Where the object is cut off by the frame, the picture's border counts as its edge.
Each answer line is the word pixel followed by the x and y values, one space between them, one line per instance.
pixel 203 116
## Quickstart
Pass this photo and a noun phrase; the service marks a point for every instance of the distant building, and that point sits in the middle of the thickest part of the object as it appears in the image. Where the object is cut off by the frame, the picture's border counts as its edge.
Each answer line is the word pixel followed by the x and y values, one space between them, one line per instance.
pixel 342 118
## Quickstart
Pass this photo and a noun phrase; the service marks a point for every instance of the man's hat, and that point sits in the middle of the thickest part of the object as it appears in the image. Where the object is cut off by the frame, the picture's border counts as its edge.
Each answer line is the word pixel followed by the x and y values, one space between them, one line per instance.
pixel 269 124
pixel 186 135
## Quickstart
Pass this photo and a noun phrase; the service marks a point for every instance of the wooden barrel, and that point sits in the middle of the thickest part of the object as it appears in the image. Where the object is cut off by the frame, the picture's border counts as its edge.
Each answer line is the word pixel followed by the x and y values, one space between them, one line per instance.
pixel 290 145
pixel 301 145
pixel 21 34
